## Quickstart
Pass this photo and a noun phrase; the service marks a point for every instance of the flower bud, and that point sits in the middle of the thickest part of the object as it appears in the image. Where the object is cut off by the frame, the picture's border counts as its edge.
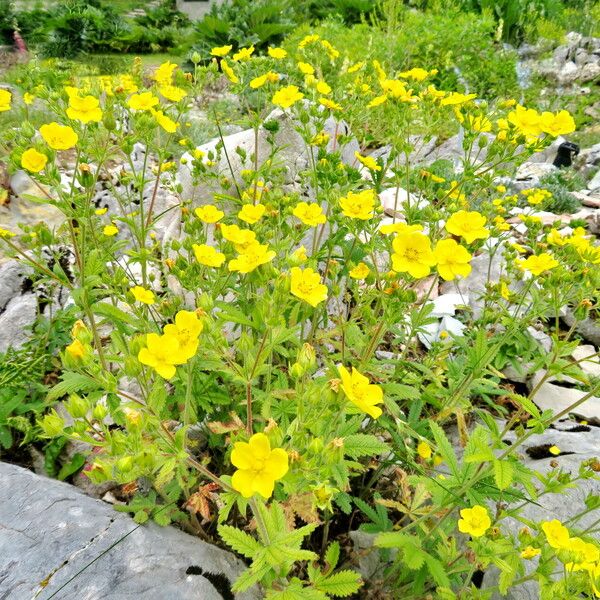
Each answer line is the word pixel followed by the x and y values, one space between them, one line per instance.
pixel 76 406
pixel 52 424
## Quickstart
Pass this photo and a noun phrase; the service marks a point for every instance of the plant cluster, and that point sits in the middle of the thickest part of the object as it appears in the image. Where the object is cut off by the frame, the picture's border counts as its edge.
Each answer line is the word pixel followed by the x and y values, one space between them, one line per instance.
pixel 276 373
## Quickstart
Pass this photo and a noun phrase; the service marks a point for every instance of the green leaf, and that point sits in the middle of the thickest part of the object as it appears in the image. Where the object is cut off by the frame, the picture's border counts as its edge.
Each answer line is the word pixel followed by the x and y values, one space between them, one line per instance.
pixel 71 383
pixel 361 444
pixel 444 447
pixel 342 583
pixel 72 467
pixel 114 314
pixel 239 541
pixel 437 571
pixel 332 555
pixel 402 391
pixel 503 473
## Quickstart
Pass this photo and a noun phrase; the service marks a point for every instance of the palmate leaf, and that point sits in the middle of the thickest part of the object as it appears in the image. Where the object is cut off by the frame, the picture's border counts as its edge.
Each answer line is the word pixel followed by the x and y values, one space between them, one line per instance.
pixel 240 541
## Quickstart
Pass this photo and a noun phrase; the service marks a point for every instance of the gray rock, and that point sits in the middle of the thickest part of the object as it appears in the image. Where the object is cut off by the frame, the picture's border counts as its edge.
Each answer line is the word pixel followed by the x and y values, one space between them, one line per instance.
pixel 57 541
pixel 589 72
pixel 19 315
pixel 586 356
pixel 550 396
pixel 568 74
pixel 582 446
pixel 594 183
pixel 588 329
pixel 12 274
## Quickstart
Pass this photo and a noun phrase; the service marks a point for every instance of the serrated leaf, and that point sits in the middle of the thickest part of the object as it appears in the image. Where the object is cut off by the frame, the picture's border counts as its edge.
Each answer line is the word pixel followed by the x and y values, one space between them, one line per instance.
pixel 503 474
pixel 342 583
pixel 444 447
pixel 71 383
pixel 332 555
pixel 402 391
pixel 362 444
pixel 239 541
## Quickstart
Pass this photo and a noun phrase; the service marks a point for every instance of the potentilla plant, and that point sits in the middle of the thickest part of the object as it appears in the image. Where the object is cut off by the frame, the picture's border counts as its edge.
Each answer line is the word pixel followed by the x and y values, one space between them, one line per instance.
pixel 258 357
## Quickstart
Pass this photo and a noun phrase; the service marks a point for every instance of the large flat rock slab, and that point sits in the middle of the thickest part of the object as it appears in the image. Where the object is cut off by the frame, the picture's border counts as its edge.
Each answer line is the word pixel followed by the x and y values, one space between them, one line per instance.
pixel 58 543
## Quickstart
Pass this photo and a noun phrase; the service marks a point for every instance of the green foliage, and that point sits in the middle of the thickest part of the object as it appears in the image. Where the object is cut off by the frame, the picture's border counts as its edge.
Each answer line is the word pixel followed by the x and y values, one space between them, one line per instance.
pixel 241 23
pixel 22 379
pixel 276 551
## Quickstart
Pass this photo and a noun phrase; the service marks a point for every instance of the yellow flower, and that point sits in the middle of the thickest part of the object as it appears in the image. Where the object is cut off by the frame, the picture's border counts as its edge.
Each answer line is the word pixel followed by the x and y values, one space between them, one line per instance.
pixel 356 67
pixel 221 51
pixel 164 74
pixel 110 230
pixel 143 101
pixel 360 271
pixel 310 214
pixel 333 53
pixel 241 238
pixel 142 295
pixel 412 254
pixel 320 139
pixel 557 124
pixel 59 137
pixel 253 256
pixel 554 450
pixel 361 392
pixel 76 350
pixel 229 72
pixel 468 225
pixel 399 227
pixel 417 74
pixel 287 96
pixel 86 109
pixel 526 120
pixel 306 285
pixel 530 552
pixel 424 450
pixel 555 238
pixel 323 88
pixel 359 206
pixel 277 53
pixel 306 69
pixel 27 98
pixel 207 255
pixel 173 93
pixel 243 54
pixel 299 255
pixel 258 466
pixel 33 161
pixel 474 521
pixel 377 101
pixel 162 353
pixel 556 533
pixel 6 234
pixel 455 98
pixel 5 100
pixel 367 161
pixel 252 213
pixel 452 260
pixel 330 104
pixel 209 213
pixel 186 330
pixel 309 39
pixel 165 122
pixel 538 264
pixel 258 82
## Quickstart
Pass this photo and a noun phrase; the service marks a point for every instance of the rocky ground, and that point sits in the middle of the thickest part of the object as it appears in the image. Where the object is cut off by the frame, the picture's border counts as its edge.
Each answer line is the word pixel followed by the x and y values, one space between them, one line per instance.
pixel 57 532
